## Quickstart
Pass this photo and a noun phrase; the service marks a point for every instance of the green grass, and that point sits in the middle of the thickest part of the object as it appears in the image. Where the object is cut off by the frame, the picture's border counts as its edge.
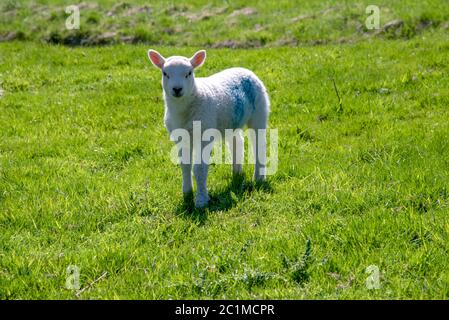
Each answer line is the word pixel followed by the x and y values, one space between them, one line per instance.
pixel 217 23
pixel 86 180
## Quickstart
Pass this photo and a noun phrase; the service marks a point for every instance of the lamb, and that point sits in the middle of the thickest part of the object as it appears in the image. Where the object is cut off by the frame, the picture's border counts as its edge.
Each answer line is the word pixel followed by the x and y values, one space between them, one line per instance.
pixel 230 99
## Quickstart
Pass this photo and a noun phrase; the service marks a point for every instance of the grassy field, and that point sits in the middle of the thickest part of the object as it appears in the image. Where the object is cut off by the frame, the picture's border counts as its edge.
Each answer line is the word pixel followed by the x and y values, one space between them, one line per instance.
pixel 86 177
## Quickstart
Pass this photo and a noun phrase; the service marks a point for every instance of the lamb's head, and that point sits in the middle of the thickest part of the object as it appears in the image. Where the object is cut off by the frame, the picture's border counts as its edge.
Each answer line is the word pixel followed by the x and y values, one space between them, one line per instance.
pixel 177 72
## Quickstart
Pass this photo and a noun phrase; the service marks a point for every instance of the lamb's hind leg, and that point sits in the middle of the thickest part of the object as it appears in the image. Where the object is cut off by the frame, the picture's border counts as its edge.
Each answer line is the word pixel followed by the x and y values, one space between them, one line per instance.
pixel 258 125
pixel 236 146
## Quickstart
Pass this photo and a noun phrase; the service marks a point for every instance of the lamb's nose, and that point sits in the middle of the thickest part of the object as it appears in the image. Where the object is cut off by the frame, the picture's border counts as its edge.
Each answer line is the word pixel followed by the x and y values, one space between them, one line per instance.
pixel 177 90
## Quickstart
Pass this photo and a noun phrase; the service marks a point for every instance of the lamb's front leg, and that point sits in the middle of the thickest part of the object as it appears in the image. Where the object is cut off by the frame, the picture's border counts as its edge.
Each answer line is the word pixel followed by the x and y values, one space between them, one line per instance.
pixel 202 196
pixel 187 188
pixel 200 170
pixel 185 157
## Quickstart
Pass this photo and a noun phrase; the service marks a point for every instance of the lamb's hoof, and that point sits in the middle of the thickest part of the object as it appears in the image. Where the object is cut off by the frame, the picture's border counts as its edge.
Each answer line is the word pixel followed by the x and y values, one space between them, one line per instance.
pixel 201 201
pixel 188 196
pixel 238 176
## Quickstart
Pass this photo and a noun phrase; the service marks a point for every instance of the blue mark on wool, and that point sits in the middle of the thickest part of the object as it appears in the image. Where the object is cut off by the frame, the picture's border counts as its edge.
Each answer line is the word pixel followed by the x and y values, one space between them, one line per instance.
pixel 248 89
pixel 242 94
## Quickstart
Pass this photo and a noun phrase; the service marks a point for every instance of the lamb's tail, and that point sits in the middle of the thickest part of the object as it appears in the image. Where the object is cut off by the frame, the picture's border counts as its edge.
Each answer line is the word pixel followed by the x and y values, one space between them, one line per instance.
pixel 259 118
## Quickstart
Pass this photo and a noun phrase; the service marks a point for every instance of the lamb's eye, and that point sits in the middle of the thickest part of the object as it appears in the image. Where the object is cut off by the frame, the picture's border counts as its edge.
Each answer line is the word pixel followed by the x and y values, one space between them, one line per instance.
pixel 189 74
pixel 165 74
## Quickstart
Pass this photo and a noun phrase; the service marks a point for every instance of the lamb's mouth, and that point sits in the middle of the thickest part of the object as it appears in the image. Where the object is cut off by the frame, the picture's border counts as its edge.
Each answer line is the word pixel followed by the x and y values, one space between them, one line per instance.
pixel 177 95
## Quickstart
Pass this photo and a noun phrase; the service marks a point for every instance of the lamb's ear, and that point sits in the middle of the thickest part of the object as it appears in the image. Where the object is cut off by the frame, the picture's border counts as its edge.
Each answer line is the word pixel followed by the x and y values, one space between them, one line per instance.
pixel 156 58
pixel 198 58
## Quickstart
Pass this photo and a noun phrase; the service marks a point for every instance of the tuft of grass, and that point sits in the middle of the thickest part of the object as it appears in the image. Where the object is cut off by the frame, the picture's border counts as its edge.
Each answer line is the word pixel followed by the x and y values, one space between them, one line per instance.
pixel 298 268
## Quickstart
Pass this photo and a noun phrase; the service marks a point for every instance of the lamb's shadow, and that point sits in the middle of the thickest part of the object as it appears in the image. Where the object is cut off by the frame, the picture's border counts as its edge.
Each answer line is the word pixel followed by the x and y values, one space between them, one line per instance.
pixel 222 200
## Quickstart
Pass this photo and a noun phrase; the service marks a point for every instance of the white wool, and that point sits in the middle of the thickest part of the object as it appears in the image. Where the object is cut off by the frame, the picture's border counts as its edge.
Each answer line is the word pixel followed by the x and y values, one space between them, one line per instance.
pixel 213 102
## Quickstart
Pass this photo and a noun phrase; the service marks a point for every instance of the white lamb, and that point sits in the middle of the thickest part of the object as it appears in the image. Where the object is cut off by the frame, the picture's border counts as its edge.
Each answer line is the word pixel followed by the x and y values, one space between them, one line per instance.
pixel 229 99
